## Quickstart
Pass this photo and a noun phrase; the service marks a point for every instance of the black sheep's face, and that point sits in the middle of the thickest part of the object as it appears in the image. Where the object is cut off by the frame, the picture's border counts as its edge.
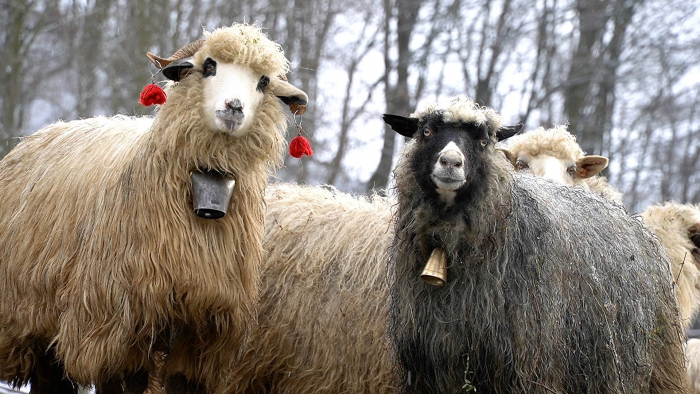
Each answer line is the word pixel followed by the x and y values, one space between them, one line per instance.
pixel 448 159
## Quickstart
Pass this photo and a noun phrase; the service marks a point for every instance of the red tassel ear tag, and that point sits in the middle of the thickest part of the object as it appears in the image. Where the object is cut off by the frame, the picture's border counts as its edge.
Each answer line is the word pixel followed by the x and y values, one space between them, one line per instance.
pixel 152 94
pixel 299 147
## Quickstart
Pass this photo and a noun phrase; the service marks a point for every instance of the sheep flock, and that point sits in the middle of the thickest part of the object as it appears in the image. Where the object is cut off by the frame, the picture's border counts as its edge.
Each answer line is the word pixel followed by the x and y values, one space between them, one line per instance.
pixel 111 280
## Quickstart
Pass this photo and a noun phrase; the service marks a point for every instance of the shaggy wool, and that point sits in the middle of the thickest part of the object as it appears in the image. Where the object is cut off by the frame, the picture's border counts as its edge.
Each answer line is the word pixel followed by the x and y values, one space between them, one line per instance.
pixel 104 260
pixel 692 351
pixel 675 224
pixel 671 222
pixel 549 288
pixel 323 305
pixel 559 143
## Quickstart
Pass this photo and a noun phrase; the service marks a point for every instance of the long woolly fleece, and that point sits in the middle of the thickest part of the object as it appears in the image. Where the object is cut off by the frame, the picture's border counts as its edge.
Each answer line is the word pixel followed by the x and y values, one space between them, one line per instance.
pixel 102 254
pixel 674 224
pixel 692 351
pixel 323 306
pixel 559 143
pixel 544 293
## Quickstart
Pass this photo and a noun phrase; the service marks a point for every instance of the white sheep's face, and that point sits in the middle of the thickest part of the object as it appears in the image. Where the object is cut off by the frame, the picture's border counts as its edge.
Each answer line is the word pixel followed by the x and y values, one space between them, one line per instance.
pixel 562 171
pixel 565 171
pixel 232 95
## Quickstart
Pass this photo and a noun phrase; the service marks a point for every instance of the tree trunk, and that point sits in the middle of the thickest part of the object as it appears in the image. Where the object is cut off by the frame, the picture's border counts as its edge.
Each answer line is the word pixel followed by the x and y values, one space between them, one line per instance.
pixel 398 99
pixel 11 76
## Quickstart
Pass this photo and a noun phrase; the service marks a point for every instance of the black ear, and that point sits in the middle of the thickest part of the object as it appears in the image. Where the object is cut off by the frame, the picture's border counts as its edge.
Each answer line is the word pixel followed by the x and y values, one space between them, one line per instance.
pixel 402 125
pixel 506 132
pixel 178 69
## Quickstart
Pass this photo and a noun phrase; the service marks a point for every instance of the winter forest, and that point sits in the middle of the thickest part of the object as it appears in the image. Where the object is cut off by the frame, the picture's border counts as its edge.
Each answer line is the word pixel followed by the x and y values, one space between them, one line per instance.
pixel 624 74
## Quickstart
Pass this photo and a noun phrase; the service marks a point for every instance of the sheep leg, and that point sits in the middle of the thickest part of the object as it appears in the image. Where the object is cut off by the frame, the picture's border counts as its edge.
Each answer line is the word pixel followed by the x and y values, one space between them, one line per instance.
pixel 50 377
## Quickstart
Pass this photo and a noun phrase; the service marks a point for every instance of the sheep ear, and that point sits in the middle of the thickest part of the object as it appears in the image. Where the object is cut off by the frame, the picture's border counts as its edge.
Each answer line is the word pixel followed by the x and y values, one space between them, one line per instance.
pixel 509 155
pixel 178 69
pixel 506 132
pixel 589 166
pixel 402 125
pixel 294 97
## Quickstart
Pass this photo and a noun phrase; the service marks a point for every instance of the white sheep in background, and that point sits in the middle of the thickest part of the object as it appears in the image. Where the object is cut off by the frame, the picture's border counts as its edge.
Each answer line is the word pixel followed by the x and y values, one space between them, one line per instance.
pixel 678 228
pixel 554 154
pixel 104 264
pixel 323 298
pixel 692 354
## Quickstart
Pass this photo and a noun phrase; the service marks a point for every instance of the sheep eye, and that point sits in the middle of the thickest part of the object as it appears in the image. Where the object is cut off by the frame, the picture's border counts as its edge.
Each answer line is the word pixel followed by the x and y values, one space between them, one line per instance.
pixel 521 165
pixel 484 142
pixel 428 131
pixel 571 170
pixel 209 67
pixel 264 81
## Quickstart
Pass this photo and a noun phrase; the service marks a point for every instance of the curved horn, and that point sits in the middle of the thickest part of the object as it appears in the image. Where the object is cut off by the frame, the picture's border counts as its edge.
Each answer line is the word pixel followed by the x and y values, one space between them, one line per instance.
pixel 182 53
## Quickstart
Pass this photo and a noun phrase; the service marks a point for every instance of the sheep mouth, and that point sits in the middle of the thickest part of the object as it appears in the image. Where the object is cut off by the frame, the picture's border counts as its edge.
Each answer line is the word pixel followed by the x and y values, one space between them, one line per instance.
pixel 231 119
pixel 448 183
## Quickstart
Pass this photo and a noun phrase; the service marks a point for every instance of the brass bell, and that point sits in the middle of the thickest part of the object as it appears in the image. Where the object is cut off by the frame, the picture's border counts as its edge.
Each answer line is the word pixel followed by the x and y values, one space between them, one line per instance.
pixel 435 270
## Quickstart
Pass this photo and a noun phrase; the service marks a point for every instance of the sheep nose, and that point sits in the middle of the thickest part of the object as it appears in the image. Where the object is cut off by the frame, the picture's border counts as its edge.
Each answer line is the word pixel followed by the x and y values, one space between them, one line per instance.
pixel 234 105
pixel 451 159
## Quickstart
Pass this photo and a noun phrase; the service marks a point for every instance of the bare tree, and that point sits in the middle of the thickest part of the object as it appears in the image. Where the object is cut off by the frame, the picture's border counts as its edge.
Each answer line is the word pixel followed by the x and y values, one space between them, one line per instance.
pixel 397 95
pixel 359 50
pixel 590 90
pixel 21 27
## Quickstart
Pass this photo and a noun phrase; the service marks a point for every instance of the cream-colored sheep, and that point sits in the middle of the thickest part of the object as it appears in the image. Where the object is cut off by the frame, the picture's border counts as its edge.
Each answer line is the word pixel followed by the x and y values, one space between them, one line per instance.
pixel 692 363
pixel 678 226
pixel 104 264
pixel 554 154
pixel 323 307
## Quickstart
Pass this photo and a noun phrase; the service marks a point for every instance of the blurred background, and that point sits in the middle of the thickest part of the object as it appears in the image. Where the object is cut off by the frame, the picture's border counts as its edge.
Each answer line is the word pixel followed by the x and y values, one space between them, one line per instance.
pixel 624 74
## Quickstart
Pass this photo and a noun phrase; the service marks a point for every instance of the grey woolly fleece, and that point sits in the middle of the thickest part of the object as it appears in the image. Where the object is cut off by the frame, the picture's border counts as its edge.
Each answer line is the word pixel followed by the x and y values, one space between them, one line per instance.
pixel 549 289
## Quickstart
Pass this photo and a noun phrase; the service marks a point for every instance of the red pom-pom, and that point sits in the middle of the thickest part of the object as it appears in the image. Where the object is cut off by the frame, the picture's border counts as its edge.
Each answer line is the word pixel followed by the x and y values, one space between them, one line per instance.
pixel 300 147
pixel 152 94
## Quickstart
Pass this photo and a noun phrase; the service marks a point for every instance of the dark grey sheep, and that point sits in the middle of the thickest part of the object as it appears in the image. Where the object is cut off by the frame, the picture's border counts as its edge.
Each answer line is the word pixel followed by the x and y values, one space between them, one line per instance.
pixel 549 289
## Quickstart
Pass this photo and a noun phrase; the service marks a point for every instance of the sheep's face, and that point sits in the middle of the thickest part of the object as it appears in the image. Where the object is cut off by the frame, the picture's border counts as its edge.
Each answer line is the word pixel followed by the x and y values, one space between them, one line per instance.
pixel 238 67
pixel 565 171
pixel 231 96
pixel 449 158
pixel 553 154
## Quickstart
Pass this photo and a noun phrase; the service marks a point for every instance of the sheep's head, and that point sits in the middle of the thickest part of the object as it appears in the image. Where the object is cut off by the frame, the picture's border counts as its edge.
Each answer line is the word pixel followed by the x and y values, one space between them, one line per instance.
pixel 553 154
pixel 237 67
pixel 451 145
